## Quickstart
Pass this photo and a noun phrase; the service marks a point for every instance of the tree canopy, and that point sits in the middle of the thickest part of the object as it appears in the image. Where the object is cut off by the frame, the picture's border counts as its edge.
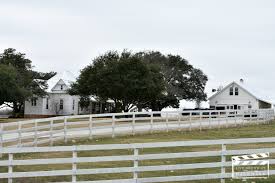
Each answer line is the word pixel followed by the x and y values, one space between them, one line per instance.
pixel 21 82
pixel 182 80
pixel 145 79
pixel 8 87
pixel 121 77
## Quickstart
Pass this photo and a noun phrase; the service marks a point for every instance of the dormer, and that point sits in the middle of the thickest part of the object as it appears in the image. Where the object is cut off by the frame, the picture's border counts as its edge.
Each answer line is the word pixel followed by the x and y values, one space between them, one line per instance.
pixel 60 86
pixel 61 82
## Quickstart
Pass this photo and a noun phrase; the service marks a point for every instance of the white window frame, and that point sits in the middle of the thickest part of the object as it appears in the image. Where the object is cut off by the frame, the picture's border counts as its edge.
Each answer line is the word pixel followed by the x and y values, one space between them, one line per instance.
pixel 47 103
pixel 61 103
pixel 34 101
pixel 231 91
pixel 236 92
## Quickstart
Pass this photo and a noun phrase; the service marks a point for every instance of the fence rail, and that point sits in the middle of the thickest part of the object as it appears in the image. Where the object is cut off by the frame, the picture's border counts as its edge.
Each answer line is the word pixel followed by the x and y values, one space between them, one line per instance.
pixel 136 153
pixel 48 130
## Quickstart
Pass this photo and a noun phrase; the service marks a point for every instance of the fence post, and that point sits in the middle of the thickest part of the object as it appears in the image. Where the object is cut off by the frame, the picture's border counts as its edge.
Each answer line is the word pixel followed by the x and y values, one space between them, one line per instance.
pixel 51 132
pixel 219 119
pixel 257 117
pixel 90 127
pixel 135 173
pixel 271 115
pixel 266 116
pixel 226 120
pixel 235 118
pixel 74 164
pixel 133 123
pixel 243 118
pixel 1 137
pixel 200 121
pixel 190 121
pixel 209 119
pixel 10 167
pixel 35 132
pixel 179 118
pixel 166 121
pixel 151 122
pixel 19 134
pixel 65 129
pixel 223 161
pixel 113 126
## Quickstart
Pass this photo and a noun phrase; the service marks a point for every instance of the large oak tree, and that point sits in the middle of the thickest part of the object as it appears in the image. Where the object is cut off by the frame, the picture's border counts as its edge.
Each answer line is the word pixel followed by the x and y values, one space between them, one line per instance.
pixel 145 79
pixel 19 82
pixel 123 78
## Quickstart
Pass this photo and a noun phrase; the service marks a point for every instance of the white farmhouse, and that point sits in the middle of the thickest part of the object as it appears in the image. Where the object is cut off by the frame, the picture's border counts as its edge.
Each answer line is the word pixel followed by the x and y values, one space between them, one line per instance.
pixel 235 97
pixel 59 102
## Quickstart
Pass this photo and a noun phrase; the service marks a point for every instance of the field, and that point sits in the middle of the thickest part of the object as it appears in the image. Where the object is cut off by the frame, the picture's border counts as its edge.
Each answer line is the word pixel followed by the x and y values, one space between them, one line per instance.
pixel 6 120
pixel 267 130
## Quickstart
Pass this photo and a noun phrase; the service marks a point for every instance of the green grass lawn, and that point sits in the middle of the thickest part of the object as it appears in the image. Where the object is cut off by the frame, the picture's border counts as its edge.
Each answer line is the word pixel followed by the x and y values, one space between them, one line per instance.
pixel 267 130
pixel 6 120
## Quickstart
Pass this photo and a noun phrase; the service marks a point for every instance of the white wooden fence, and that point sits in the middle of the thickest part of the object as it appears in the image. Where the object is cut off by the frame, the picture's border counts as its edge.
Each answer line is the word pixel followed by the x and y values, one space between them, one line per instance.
pixel 48 130
pixel 136 153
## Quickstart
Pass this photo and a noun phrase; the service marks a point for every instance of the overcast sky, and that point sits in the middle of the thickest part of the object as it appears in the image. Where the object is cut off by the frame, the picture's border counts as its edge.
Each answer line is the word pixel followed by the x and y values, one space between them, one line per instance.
pixel 227 39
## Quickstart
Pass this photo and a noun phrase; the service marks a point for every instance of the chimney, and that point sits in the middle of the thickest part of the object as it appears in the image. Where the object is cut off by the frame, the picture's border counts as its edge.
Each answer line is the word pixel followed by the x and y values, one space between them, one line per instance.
pixel 241 81
pixel 220 88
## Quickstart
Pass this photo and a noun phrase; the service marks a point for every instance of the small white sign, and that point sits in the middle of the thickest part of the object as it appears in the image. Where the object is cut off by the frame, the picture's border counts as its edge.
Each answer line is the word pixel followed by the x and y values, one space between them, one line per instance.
pixel 250 166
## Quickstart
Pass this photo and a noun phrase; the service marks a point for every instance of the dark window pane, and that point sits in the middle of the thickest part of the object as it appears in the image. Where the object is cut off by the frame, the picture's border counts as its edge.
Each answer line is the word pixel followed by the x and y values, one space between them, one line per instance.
pixel 236 91
pixel 231 91
pixel 61 104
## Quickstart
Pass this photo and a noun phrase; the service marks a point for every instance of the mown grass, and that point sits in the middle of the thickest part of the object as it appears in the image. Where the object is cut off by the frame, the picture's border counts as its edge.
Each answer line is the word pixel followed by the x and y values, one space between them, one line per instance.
pixel 6 120
pixel 253 131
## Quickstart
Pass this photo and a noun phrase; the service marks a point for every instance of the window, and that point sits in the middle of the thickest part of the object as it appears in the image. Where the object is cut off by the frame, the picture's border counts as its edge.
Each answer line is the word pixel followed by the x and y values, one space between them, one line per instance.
pixel 220 108
pixel 249 106
pixel 239 107
pixel 227 107
pixel 33 101
pixel 231 91
pixel 61 87
pixel 73 104
pixel 61 104
pixel 47 103
pixel 236 91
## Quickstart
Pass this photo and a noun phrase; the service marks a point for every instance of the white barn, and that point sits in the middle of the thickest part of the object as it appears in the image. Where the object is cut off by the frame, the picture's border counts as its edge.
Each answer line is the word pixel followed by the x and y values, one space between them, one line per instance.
pixel 235 97
pixel 59 102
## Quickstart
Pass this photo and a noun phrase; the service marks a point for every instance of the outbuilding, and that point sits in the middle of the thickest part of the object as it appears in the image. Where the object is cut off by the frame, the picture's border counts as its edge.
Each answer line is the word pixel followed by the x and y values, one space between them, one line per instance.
pixel 236 96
